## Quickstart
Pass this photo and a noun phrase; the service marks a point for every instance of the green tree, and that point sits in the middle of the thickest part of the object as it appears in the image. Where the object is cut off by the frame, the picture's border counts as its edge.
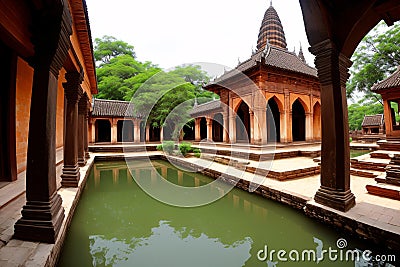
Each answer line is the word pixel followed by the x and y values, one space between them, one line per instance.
pixel 118 68
pixel 109 47
pixel 375 58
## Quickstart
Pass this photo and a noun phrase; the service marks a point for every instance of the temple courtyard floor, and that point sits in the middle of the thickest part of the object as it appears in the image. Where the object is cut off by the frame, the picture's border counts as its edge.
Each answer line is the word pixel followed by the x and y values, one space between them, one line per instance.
pixel 374 218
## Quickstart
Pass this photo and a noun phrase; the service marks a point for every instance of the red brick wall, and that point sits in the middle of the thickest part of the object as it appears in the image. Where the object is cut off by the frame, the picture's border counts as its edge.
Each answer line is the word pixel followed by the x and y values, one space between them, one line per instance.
pixel 23 105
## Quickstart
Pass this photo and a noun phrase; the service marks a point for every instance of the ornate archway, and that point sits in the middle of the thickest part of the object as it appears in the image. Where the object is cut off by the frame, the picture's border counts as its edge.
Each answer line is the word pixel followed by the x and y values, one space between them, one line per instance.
pixel 273 121
pixel 317 121
pixel 298 121
pixel 243 123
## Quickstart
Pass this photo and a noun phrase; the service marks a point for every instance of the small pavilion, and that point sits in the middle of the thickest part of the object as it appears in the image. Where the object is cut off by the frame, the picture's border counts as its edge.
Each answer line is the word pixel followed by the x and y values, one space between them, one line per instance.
pixel 389 89
pixel 280 102
pixel 373 124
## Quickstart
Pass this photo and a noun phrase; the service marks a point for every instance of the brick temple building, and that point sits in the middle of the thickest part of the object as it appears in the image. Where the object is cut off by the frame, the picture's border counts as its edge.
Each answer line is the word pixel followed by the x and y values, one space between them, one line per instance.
pixel 278 80
pixel 48 78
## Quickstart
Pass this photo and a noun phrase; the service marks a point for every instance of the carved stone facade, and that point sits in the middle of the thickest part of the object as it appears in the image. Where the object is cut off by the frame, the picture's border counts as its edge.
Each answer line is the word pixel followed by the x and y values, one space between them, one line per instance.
pixel 272 97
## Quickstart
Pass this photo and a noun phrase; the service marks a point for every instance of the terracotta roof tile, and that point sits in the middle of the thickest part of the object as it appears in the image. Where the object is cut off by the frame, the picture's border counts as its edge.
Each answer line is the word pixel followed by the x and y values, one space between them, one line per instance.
pixel 111 108
pixel 372 120
pixel 390 82
pixel 205 108
pixel 274 57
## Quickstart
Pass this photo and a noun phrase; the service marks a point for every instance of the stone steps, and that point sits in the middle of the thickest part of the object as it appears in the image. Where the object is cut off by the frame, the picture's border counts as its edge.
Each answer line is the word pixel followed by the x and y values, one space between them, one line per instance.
pixel 363 173
pixel 367 165
pixel 384 190
pixel 273 174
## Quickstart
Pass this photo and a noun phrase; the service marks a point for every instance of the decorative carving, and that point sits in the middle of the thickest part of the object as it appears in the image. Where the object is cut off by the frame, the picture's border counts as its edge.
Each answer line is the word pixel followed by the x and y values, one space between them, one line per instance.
pixel 52 27
pixel 72 88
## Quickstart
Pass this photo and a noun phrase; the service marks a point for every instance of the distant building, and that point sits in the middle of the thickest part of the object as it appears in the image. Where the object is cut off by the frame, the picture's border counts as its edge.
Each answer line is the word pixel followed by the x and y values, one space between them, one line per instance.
pixel 389 89
pixel 373 124
pixel 291 110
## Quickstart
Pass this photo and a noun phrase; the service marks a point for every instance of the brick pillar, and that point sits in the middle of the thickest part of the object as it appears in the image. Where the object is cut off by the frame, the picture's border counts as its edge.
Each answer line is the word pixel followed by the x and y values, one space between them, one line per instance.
pixel 209 129
pixel 197 136
pixel 226 128
pixel 136 129
pixel 309 126
pixel 82 114
pixel 43 214
pixel 286 126
pixel 147 132
pixel 114 131
pixel 232 128
pixel 73 93
pixel 335 159
pixel 252 127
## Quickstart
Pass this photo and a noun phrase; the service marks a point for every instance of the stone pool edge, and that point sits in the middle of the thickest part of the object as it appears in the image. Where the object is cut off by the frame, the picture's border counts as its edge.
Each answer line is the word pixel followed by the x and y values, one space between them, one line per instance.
pixel 49 256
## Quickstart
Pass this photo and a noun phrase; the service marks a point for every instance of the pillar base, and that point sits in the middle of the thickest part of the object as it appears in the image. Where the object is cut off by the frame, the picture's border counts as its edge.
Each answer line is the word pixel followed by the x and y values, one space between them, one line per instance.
pixel 70 176
pixel 339 200
pixel 41 221
pixel 82 161
pixel 87 155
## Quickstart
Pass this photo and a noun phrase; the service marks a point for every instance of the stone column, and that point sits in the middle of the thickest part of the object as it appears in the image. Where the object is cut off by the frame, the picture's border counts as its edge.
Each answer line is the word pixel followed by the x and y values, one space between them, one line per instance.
pixel 309 126
pixel 252 125
pixel 161 134
pixel 335 159
pixel 232 128
pixel 82 113
pixel 286 136
pixel 114 131
pixel 197 136
pixel 86 131
pixel 93 125
pixel 147 132
pixel 136 128
pixel 43 214
pixel 225 137
pixel 73 93
pixel 260 135
pixel 209 129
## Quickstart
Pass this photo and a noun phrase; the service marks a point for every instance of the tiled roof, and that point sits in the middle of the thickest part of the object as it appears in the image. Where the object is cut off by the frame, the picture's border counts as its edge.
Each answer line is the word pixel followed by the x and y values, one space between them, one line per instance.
pixel 205 108
pixel 271 30
pixel 372 120
pixel 274 57
pixel 390 82
pixel 112 108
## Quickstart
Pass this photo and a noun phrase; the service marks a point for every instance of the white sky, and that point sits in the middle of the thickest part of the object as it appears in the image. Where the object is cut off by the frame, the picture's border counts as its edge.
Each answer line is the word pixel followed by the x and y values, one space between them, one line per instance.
pixel 174 32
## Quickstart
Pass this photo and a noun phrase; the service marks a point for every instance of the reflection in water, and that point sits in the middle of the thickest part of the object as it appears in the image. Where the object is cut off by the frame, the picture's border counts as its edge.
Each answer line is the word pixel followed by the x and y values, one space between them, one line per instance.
pixel 155 250
pixel 117 224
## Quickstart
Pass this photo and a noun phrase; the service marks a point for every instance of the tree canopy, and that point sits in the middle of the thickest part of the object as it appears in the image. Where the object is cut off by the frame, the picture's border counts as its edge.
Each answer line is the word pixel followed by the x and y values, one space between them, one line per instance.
pixel 375 58
pixel 120 75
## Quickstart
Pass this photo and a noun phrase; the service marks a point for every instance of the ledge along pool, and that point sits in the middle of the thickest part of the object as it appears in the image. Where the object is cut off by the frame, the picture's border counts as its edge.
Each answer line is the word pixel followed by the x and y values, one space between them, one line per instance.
pixel 117 224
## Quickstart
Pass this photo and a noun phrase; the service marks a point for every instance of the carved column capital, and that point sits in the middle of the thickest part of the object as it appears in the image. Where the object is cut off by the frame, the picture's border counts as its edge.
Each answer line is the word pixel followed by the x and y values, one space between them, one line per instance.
pixel 51 29
pixel 72 89
pixel 326 58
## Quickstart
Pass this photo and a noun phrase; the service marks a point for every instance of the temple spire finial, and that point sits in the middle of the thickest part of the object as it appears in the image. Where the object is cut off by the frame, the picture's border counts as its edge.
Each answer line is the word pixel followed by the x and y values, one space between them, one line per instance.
pixel 270 3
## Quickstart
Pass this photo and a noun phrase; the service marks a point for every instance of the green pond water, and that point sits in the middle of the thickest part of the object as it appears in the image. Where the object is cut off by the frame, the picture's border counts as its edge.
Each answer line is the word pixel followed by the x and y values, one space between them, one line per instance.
pixel 117 224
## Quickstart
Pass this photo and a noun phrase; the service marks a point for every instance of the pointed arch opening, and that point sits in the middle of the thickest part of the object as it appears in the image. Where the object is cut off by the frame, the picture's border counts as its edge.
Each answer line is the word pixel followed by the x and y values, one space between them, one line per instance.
pixel 298 121
pixel 273 121
pixel 317 121
pixel 243 123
